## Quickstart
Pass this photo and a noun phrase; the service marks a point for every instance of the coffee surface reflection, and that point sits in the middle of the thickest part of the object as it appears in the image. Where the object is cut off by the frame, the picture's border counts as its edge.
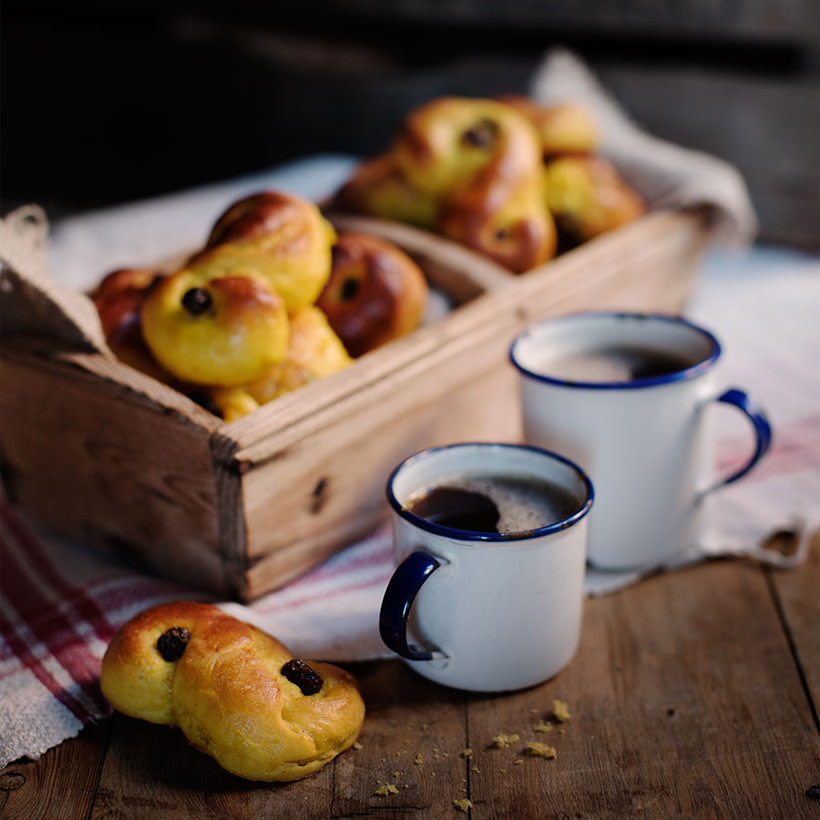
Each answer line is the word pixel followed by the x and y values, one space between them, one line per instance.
pixel 506 504
pixel 614 364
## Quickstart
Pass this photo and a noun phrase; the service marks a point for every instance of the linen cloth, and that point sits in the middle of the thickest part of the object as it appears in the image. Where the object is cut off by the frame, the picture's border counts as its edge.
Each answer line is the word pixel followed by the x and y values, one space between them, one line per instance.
pixel 61 601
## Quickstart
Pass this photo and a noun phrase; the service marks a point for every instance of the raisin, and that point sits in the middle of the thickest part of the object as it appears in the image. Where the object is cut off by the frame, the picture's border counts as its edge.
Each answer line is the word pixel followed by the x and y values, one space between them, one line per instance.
pixel 196 301
pixel 303 676
pixel 350 289
pixel 813 792
pixel 171 644
pixel 483 134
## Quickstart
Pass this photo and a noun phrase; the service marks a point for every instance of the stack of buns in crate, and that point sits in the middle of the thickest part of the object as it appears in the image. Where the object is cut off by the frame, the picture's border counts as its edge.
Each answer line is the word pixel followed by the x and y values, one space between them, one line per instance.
pixel 512 179
pixel 274 300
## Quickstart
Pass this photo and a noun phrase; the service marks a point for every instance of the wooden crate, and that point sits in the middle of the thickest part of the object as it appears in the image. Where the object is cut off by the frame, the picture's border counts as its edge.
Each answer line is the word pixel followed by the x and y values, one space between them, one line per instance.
pixel 103 453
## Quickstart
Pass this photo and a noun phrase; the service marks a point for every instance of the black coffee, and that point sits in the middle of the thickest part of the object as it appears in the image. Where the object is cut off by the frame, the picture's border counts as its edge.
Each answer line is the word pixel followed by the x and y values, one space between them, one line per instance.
pixel 614 364
pixel 508 504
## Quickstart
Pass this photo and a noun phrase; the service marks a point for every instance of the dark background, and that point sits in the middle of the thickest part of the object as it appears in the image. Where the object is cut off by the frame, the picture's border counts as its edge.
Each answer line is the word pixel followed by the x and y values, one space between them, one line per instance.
pixel 106 102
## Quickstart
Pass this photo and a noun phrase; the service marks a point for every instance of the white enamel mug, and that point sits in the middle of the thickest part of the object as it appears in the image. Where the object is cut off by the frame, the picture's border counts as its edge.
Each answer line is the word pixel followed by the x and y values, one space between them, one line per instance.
pixel 645 442
pixel 488 612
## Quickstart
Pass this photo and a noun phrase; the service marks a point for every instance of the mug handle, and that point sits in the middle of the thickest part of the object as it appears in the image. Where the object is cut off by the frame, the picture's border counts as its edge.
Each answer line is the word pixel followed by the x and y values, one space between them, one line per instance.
pixel 738 398
pixel 401 591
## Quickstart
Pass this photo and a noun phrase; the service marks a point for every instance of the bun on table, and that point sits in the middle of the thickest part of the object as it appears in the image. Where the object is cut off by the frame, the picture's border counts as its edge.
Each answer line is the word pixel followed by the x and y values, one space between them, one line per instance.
pixel 237 693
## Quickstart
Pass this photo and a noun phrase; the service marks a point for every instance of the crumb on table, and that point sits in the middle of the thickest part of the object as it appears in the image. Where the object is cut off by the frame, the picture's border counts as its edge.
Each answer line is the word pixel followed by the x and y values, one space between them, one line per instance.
pixel 560 711
pixel 536 749
pixel 386 789
pixel 503 741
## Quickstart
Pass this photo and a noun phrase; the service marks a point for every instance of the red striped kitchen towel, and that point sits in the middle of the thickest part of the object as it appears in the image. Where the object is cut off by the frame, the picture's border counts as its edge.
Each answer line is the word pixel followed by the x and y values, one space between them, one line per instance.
pixel 61 602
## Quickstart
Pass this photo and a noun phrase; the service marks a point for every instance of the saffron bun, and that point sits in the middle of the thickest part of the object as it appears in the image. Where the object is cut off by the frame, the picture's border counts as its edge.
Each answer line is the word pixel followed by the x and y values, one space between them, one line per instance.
pixel 468 169
pixel 483 172
pixel 237 693
pixel 377 187
pixel 563 128
pixel 119 298
pixel 376 292
pixel 274 236
pixel 221 332
pixel 588 196
pixel 314 351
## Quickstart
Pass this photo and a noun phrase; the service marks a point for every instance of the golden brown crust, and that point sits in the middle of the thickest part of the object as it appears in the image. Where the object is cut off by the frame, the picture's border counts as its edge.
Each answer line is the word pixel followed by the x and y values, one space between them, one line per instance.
pixel 119 298
pixel 221 331
pixel 588 196
pixel 278 237
pixel 235 691
pixel 479 162
pixel 562 127
pixel 254 216
pixel 376 292
pixel 378 188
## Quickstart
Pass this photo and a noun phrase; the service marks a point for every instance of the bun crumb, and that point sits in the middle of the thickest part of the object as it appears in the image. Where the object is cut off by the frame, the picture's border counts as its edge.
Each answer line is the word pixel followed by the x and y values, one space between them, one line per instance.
pixel 536 749
pixel 385 790
pixel 503 741
pixel 560 711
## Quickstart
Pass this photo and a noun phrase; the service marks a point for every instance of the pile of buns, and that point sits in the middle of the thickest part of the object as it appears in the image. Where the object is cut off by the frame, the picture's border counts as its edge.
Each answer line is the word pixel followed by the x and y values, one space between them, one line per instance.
pixel 274 300
pixel 236 692
pixel 511 179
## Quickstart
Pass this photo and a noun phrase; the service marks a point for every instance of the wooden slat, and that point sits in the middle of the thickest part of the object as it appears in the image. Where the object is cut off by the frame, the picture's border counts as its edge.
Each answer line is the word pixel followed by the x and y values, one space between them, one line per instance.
pixel 92 459
pixel 685 701
pixel 408 719
pixel 61 785
pixel 798 595
pixel 151 771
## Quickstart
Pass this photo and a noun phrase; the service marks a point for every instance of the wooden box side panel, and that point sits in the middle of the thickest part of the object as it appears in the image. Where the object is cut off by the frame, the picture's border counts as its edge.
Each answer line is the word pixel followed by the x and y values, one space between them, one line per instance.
pixel 89 459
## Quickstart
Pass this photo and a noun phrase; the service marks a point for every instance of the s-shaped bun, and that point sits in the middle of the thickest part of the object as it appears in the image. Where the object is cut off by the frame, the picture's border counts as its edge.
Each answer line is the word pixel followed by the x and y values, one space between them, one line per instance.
pixel 236 692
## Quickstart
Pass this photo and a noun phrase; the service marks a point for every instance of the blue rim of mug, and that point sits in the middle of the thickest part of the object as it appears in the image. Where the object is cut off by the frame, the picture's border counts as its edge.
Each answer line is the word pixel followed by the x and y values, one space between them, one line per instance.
pixel 690 372
pixel 497 537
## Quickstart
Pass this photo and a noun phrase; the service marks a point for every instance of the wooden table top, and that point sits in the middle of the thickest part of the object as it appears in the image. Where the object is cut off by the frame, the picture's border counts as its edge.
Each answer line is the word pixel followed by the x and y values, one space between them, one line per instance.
pixel 693 694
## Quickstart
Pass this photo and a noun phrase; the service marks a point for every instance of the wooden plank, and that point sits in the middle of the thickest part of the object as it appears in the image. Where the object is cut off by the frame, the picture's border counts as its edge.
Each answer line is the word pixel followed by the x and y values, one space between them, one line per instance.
pixel 327 489
pixel 765 125
pixel 685 700
pixel 95 461
pixel 151 771
pixel 798 596
pixel 61 785
pixel 413 737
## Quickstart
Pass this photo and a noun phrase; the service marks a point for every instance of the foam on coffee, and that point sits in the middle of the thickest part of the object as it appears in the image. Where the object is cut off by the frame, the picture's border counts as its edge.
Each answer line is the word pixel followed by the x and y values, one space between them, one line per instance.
pixel 612 364
pixel 507 504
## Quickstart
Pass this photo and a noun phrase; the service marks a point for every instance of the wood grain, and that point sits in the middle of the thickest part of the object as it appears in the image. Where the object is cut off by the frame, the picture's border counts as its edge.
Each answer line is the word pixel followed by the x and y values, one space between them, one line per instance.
pixel 62 785
pixel 91 458
pixel 798 598
pixel 687 698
